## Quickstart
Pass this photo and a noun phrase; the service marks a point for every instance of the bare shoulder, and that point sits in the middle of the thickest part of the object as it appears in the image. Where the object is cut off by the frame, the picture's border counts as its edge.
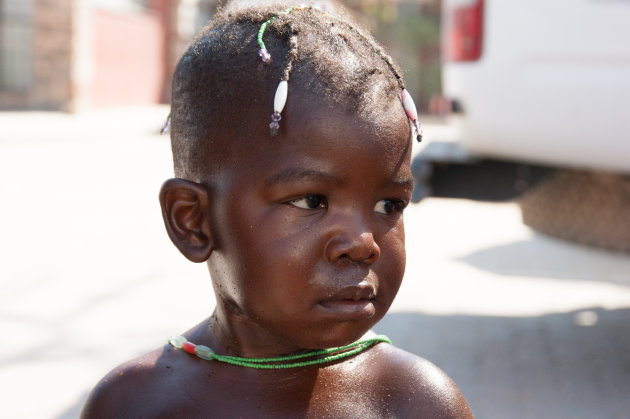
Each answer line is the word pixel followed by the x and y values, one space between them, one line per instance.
pixel 133 389
pixel 418 387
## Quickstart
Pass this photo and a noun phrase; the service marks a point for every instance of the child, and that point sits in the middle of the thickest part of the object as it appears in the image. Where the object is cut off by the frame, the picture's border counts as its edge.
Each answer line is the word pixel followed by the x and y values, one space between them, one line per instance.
pixel 299 219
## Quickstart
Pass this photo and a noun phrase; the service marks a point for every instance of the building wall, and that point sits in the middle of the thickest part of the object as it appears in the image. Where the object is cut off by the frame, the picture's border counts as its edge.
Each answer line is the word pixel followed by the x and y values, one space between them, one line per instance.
pixel 128 56
pixel 71 55
pixel 44 55
pixel 52 66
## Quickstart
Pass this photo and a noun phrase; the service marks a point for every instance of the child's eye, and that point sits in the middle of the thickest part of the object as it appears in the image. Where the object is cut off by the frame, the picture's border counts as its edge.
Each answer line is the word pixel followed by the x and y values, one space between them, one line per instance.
pixel 389 206
pixel 310 202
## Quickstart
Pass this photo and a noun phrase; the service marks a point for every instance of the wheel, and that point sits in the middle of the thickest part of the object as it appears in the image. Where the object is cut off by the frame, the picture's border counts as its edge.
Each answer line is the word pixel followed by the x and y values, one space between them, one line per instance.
pixel 581 206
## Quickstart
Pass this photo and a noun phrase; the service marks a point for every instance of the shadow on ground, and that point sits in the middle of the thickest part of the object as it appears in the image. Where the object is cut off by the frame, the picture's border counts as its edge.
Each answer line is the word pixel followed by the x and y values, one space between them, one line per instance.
pixel 533 367
pixel 542 257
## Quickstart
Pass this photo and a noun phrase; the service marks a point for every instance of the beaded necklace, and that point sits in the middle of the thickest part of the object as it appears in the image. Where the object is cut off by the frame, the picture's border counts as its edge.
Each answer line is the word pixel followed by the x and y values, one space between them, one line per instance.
pixel 280 362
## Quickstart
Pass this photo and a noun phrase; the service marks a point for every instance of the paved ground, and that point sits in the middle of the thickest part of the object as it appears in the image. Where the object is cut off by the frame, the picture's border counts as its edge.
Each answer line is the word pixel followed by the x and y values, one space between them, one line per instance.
pixel 529 327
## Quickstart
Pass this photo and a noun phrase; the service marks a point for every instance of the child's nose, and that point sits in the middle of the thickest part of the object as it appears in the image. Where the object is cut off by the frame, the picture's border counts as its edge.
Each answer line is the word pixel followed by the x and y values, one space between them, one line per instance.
pixel 352 241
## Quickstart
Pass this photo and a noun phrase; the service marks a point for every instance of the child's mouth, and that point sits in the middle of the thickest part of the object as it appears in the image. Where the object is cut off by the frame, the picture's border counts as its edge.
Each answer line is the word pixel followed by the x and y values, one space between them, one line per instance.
pixel 361 308
pixel 351 302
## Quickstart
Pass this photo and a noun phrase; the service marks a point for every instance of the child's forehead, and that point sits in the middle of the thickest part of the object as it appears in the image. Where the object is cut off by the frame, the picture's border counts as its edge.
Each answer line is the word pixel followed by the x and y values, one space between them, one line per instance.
pixel 381 120
pixel 310 121
pixel 243 136
pixel 317 131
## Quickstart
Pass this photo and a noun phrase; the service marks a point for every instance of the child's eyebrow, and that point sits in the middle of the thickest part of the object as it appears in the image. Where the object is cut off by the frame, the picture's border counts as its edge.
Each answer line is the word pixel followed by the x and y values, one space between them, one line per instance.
pixel 295 175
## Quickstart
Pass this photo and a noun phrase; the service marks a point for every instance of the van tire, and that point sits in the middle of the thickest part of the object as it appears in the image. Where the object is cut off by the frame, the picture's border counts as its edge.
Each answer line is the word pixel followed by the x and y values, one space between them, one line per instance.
pixel 585 207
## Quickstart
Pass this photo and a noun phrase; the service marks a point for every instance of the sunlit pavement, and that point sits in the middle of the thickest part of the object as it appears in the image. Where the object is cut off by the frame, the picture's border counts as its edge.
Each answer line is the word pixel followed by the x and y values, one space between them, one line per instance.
pixel 528 326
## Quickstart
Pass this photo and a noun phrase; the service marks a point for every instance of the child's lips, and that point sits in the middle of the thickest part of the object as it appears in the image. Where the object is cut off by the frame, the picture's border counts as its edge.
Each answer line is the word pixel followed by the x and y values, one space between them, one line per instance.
pixel 351 302
pixel 351 309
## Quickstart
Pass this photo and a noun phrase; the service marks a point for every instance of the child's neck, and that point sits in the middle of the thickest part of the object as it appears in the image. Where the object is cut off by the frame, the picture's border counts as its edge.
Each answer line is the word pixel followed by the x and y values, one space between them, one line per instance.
pixel 229 333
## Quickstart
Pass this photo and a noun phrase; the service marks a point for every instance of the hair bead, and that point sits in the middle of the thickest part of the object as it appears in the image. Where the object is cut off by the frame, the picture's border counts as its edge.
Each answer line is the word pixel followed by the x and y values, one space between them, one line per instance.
pixel 409 105
pixel 280 97
pixel 412 112
pixel 166 125
pixel 279 100
pixel 264 55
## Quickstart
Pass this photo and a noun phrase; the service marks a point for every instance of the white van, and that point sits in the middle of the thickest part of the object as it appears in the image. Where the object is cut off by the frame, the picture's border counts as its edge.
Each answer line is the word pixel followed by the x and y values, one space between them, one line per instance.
pixel 545 82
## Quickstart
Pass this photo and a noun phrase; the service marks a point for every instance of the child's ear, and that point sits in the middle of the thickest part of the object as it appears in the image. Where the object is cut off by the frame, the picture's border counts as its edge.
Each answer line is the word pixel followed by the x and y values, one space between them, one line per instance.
pixel 185 212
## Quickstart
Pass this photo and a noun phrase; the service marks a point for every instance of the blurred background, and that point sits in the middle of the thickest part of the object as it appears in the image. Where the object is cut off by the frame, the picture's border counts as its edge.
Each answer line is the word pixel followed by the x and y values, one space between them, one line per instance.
pixel 74 55
pixel 518 276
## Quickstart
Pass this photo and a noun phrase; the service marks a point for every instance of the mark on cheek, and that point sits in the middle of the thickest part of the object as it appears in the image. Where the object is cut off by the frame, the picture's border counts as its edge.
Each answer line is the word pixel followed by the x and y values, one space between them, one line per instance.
pixel 317 278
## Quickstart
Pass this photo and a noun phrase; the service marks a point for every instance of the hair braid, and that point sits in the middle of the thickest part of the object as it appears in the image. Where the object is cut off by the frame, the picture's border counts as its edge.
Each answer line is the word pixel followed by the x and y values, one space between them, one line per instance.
pixel 337 60
pixel 378 50
pixel 291 54
pixel 407 101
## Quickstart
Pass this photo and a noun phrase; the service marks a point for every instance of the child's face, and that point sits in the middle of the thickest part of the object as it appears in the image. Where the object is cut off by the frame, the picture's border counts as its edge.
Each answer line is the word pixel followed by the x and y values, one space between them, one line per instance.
pixel 308 227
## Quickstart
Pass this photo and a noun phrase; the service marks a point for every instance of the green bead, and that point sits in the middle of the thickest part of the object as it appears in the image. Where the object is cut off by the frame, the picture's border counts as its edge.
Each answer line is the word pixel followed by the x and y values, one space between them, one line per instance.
pixel 331 354
pixel 204 352
pixel 177 341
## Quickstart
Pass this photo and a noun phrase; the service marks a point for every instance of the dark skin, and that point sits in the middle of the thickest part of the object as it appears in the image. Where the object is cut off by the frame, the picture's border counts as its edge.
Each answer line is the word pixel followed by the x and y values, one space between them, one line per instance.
pixel 304 240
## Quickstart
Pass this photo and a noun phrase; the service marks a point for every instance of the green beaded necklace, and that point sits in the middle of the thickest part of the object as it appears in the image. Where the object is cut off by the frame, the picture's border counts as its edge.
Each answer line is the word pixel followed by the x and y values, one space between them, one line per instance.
pixel 281 362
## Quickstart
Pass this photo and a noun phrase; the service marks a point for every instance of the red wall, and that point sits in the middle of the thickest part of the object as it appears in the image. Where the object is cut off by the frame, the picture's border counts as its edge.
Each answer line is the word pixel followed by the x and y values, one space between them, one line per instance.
pixel 128 58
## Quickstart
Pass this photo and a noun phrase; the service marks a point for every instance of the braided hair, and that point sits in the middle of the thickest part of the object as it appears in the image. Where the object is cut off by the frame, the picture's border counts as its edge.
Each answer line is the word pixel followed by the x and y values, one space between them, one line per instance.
pixel 322 52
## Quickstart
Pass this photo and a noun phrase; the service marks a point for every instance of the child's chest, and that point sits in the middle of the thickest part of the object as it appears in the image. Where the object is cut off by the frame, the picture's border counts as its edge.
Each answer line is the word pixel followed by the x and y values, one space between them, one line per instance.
pixel 311 396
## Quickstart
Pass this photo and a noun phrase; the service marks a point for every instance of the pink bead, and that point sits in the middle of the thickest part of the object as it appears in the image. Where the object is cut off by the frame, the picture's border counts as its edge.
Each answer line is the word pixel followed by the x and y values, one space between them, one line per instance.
pixel 410 107
pixel 264 54
pixel 189 347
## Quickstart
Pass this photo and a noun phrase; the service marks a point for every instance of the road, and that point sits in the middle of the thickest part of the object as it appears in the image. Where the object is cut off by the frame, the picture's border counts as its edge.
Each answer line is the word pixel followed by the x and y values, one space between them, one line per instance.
pixel 527 326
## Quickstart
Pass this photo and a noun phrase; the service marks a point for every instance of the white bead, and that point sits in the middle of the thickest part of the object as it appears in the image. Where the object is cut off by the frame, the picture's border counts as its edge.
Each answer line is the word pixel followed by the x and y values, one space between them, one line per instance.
pixel 177 341
pixel 204 352
pixel 281 96
pixel 410 107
